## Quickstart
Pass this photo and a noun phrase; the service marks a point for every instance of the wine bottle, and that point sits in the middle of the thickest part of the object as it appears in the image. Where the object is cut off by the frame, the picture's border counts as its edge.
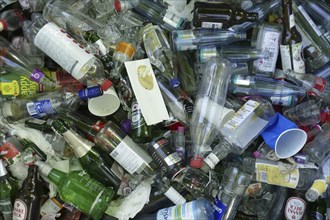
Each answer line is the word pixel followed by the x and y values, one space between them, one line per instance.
pixel 291 45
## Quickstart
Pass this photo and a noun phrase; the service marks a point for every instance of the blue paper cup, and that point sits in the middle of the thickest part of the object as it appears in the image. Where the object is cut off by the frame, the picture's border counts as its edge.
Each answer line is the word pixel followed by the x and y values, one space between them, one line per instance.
pixel 284 137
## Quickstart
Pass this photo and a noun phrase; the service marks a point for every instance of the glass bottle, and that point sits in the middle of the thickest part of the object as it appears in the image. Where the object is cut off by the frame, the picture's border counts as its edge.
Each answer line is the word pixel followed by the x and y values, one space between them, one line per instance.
pixel 180 142
pixel 291 45
pixel 232 188
pixel 220 15
pixel 193 39
pixel 209 108
pixel 295 205
pixel 318 209
pixel 78 189
pixel 92 158
pixel 28 202
pixel 13 61
pixel 124 150
pixel 240 130
pixel 5 192
pixel 11 20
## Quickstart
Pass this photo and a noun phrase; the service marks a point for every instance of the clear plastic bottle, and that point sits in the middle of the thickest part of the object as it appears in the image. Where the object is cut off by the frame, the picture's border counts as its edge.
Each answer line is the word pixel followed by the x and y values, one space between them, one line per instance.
pixel 209 107
pixel 11 20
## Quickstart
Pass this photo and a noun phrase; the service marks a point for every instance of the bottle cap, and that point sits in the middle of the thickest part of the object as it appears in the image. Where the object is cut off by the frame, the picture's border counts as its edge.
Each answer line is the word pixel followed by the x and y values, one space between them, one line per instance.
pixel 105 104
pixel 256 154
pixel 3 170
pixel 117 5
pixel 126 125
pixel 175 82
pixel 3 25
pixel 196 162
pixel 106 85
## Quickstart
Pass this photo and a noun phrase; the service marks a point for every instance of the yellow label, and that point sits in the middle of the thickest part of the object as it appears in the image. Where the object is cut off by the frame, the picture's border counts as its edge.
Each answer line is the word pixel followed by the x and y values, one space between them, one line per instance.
pixel 319 186
pixel 9 88
pixel 271 174
pixel 28 87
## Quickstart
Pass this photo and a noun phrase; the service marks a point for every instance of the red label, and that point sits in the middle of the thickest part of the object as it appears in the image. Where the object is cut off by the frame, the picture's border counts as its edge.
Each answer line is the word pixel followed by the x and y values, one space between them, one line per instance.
pixel 295 208
pixel 8 151
pixel 320 84
pixel 98 126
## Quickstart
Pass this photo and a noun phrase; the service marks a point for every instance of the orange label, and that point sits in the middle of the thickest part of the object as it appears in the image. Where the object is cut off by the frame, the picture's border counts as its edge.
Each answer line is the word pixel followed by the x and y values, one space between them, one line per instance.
pixel 126 48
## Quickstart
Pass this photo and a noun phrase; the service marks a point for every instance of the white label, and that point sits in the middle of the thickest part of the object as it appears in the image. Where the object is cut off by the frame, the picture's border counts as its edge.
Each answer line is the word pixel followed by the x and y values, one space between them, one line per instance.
pixel 64 50
pixel 126 156
pixel 298 63
pixel 146 90
pixel 174 196
pixel 20 210
pixel 51 206
pixel 213 25
pixel 183 212
pixel 172 19
pixel 211 160
pixel 243 113
pixel 292 21
pixel 271 44
pixel 295 208
pixel 172 159
pixel 102 48
pixel 283 101
pixel 309 20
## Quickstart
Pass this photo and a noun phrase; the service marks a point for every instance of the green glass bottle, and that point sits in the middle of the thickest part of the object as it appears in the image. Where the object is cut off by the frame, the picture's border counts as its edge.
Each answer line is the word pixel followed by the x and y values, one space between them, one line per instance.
pixel 5 193
pixel 140 131
pixel 92 158
pixel 78 189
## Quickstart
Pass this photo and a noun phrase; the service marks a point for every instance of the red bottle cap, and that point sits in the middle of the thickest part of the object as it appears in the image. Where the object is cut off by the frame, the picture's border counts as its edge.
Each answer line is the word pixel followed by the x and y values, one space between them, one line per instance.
pixel 196 162
pixel 106 85
pixel 117 5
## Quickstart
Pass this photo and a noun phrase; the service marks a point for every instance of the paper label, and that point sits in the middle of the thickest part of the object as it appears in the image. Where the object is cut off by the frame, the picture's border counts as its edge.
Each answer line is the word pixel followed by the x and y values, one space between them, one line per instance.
pixel 126 156
pixel 172 159
pixel 20 210
pixel 309 20
pixel 15 85
pixel 291 21
pixel 270 43
pixel 184 211
pixel 219 209
pixel 242 114
pixel 174 196
pixel 102 48
pixel 172 19
pixel 271 174
pixel 40 109
pixel 295 208
pixel 146 90
pixel 51 206
pixel 213 25
pixel 319 186
pixel 298 63
pixel 64 50
pixel 211 160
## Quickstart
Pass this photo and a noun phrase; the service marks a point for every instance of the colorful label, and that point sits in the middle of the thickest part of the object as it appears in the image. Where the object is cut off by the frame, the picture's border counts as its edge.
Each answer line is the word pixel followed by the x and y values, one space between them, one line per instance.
pixel 20 210
pixel 64 50
pixel 172 19
pixel 297 62
pixel 137 118
pixel 319 186
pixel 271 174
pixel 213 25
pixel 126 156
pixel 90 92
pixel 15 85
pixel 219 209
pixel 270 43
pixel 184 211
pixel 40 109
pixel 63 78
pixel 9 152
pixel 37 75
pixel 295 208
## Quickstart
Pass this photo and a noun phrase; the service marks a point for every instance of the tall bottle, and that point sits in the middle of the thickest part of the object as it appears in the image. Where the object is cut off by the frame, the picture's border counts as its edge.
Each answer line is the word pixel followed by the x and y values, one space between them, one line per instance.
pixel 232 188
pixel 209 109
pixel 220 15
pixel 291 46
pixel 11 20
pixel 12 60
pixel 28 202
pixel 193 39
pixel 93 159
pixel 6 207
pixel 79 190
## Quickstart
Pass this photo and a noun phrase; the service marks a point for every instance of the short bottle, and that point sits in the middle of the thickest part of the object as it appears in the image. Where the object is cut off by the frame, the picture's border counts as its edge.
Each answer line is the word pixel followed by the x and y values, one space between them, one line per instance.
pixel 28 202
pixel 6 207
pixel 78 189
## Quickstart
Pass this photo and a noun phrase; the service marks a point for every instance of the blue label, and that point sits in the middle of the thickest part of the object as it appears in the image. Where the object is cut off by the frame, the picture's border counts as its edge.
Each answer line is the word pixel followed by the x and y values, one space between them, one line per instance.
pixel 40 108
pixel 219 209
pixel 90 92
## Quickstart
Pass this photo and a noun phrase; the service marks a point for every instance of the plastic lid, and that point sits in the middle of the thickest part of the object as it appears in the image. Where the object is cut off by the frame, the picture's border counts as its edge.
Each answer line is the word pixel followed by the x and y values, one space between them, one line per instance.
pixel 106 85
pixel 196 162
pixel 117 5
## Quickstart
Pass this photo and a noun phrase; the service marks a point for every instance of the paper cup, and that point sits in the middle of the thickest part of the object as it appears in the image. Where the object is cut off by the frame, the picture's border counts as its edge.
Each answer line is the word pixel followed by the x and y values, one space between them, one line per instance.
pixel 290 142
pixel 104 105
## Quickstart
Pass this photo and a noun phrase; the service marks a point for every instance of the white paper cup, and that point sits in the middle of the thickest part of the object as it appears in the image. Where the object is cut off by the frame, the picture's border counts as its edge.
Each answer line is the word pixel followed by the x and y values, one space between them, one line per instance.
pixel 290 142
pixel 105 104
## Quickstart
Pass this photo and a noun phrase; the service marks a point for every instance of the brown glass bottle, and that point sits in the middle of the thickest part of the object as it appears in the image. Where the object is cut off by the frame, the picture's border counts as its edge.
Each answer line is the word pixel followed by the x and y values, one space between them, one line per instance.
pixel 291 46
pixel 28 202
pixel 295 206
pixel 220 15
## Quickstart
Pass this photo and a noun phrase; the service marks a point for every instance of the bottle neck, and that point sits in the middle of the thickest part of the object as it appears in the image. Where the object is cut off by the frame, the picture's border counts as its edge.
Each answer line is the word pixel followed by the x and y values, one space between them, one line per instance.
pixel 54 175
pixel 80 145
pixel 32 178
pixel 289 22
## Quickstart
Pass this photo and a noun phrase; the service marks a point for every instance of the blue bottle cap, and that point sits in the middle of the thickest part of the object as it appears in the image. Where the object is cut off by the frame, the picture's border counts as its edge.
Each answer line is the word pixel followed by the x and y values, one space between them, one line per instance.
pixel 90 92
pixel 174 82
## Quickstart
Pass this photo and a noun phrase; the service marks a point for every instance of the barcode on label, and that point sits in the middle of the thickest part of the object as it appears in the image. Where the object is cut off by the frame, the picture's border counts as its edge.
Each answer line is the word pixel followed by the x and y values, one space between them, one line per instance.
pixel 263 176
pixel 31 109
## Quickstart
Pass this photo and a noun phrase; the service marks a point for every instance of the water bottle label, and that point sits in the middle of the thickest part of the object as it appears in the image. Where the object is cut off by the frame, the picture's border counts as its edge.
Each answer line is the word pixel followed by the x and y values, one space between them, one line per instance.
pixel 20 210
pixel 40 109
pixel 184 211
pixel 295 208
pixel 271 174
pixel 185 40
pixel 219 209
pixel 213 25
pixel 64 50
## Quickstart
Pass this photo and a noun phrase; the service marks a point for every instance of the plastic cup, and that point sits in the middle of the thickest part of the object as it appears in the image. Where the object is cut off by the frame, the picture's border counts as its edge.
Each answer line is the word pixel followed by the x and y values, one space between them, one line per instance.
pixel 104 105
pixel 284 137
